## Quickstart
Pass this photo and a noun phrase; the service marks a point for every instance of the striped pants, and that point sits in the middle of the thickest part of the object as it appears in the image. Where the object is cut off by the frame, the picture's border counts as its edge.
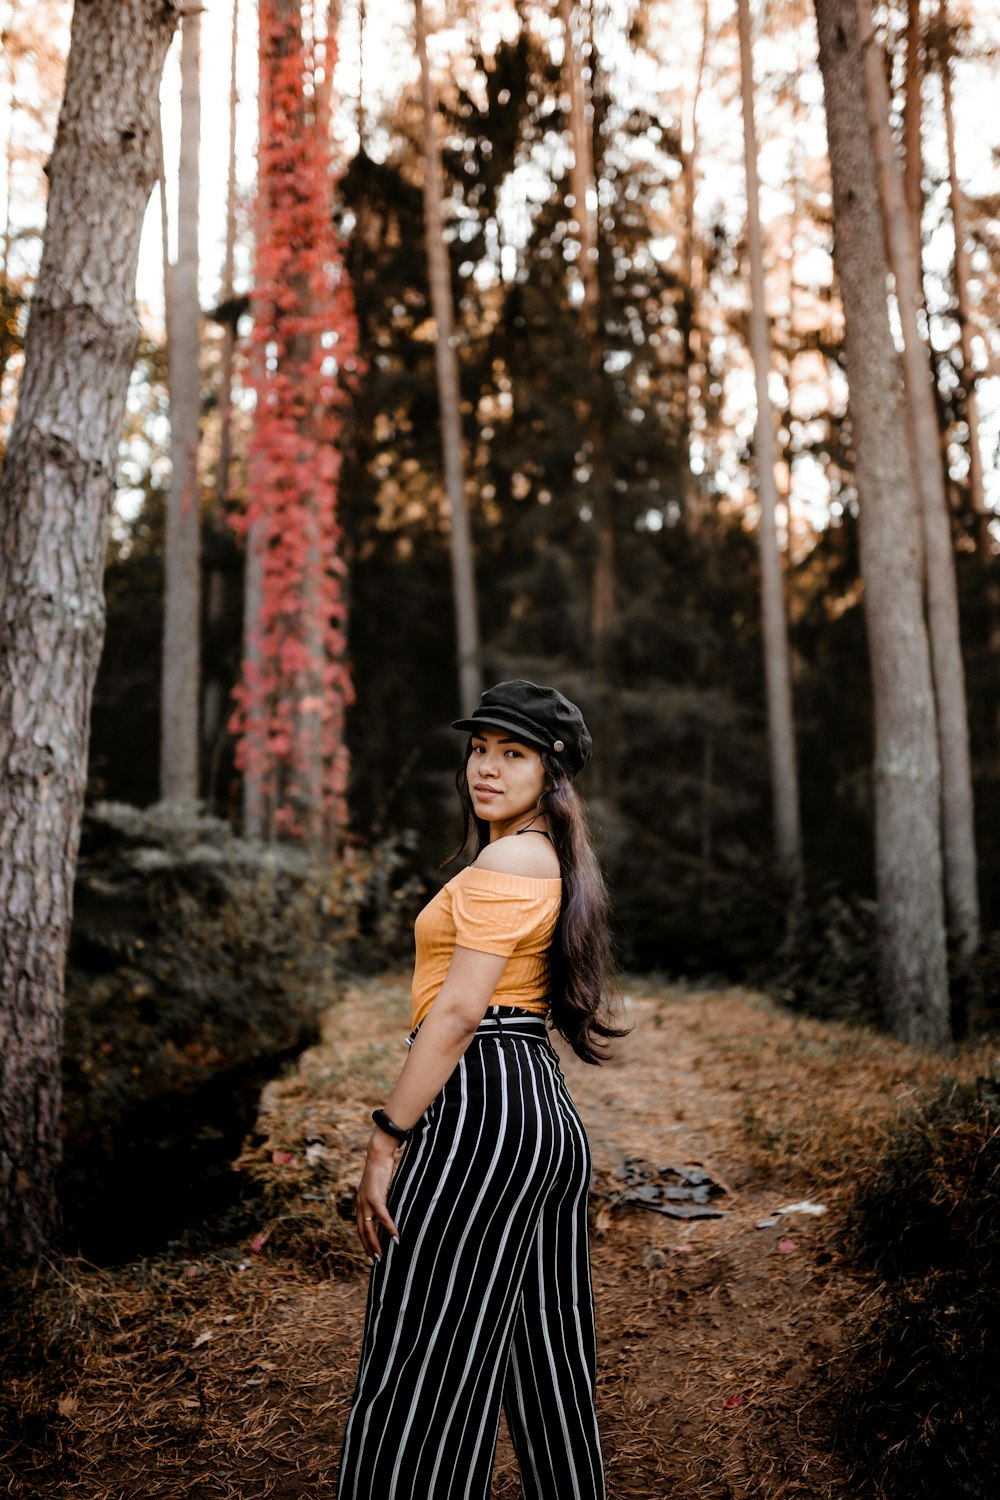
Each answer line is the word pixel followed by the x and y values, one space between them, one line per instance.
pixel 486 1300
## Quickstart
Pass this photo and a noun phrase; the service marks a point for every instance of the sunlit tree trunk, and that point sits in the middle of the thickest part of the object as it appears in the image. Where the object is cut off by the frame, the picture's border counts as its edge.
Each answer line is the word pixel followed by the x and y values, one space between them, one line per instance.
pixel 55 506
pixel 583 186
pixel 10 298
pixel 11 105
pixel 959 844
pixel 781 732
pixel 582 175
pixel 161 183
pixel 977 494
pixel 179 691
pixel 694 500
pixel 913 156
pixel 594 400
pixel 463 573
pixel 912 965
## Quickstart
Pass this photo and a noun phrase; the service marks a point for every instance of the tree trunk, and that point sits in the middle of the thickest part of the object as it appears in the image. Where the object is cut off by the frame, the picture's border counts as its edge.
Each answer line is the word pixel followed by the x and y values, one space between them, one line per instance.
pixel 296 684
pixel 10 297
pixel 449 394
pixel 911 954
pixel 214 694
pixel 582 176
pixel 781 731
pixel 226 297
pixel 694 497
pixel 161 183
pixel 179 686
pixel 913 156
pixel 256 804
pixel 977 495
pixel 959 842
pixel 583 186
pixel 55 506
pixel 595 404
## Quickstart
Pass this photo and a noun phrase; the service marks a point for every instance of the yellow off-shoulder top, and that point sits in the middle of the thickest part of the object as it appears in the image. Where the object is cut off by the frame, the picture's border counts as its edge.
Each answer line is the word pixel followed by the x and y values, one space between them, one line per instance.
pixel 492 912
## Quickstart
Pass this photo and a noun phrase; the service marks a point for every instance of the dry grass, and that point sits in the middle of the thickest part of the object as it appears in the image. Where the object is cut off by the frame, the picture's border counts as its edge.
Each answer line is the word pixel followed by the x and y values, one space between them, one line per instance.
pixel 720 1351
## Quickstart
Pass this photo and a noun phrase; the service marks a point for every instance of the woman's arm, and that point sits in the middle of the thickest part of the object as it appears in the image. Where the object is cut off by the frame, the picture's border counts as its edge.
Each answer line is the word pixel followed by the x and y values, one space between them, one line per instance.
pixel 446 1032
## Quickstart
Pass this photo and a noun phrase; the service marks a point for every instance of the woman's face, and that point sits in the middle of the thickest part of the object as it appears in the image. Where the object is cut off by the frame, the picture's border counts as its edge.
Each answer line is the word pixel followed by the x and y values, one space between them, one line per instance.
pixel 506 778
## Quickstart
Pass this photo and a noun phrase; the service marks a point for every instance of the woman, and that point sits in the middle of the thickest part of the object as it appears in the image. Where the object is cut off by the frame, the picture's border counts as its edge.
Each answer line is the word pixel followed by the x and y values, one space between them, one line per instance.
pixel 480 1293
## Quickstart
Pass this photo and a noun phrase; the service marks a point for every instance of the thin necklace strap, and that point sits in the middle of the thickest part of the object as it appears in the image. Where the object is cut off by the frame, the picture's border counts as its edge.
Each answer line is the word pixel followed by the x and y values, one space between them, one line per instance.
pixel 536 830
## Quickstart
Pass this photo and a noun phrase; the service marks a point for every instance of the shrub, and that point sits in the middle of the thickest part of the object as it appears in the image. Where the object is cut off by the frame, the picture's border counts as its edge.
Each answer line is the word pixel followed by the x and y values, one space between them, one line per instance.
pixel 199 964
pixel 826 965
pixel 921 1410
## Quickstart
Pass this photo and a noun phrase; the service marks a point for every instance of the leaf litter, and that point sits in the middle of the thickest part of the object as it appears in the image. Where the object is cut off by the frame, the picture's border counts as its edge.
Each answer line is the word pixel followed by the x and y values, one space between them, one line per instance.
pixel 229 1377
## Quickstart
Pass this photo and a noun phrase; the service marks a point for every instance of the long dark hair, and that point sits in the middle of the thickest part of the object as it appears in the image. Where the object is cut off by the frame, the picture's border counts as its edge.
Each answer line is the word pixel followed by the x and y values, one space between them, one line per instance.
pixel 583 971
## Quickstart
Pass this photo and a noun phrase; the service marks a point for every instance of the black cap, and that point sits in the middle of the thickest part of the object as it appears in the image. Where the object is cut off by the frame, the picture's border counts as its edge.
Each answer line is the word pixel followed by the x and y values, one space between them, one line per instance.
pixel 540 715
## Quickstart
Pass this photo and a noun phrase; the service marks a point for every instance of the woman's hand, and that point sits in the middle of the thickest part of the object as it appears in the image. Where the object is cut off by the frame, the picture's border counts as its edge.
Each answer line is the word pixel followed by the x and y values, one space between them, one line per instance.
pixel 373 1189
pixel 445 1034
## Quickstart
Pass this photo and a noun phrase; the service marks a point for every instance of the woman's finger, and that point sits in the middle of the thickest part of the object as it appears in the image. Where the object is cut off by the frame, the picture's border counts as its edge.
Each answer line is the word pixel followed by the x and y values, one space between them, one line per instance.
pixel 367 1232
pixel 384 1217
pixel 369 1216
pixel 369 1220
pixel 377 1213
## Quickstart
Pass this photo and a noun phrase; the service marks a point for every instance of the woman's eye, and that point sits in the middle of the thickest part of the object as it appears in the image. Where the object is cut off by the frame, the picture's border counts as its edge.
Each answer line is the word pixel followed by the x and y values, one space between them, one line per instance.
pixel 515 753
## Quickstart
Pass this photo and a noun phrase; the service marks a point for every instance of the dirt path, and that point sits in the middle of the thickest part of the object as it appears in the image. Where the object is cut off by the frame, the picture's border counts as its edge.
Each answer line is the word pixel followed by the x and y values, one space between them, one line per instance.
pixel 714 1333
pixel 229 1379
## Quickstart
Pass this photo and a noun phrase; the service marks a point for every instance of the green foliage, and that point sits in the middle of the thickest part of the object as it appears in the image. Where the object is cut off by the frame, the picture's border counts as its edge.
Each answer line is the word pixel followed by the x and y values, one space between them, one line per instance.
pixel 194 951
pixel 825 965
pixel 198 964
pixel 922 1413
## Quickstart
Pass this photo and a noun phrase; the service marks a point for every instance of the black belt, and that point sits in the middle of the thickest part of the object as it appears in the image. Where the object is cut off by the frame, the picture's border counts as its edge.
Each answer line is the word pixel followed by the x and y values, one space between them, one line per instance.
pixel 518 1023
pixel 506 1021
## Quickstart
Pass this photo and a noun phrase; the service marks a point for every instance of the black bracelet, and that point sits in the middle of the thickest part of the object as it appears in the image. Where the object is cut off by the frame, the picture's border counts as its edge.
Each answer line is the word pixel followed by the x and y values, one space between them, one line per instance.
pixel 389 1126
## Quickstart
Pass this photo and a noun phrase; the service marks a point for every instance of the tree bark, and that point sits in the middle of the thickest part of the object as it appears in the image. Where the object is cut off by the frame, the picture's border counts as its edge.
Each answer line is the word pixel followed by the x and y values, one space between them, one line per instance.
pixel 55 506
pixel 959 843
pixel 583 186
pixel 449 393
pixel 582 175
pixel 256 805
pixel 911 953
pixel 161 183
pixel 977 494
pixel 214 692
pixel 179 684
pixel 226 296
pixel 296 685
pixel 694 497
pixel 913 156
pixel 777 675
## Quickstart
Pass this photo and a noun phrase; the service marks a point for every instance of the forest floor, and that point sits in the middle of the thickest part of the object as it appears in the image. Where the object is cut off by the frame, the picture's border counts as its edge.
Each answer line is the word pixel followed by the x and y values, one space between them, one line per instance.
pixel 722 1344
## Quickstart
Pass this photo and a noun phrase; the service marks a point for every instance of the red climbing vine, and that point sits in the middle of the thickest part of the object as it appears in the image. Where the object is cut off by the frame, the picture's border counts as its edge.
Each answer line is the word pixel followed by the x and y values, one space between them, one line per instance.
pixel 296 683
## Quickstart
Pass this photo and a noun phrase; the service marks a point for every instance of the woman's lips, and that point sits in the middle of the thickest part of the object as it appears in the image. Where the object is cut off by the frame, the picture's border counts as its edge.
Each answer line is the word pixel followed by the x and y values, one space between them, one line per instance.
pixel 487 791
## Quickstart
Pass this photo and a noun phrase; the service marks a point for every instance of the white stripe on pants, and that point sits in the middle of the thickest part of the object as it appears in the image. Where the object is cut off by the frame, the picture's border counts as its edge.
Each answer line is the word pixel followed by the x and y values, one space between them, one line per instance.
pixel 487 1297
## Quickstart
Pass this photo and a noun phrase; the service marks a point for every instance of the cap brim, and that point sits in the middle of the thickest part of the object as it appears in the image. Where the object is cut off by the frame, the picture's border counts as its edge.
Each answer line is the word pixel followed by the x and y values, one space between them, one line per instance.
pixel 476 726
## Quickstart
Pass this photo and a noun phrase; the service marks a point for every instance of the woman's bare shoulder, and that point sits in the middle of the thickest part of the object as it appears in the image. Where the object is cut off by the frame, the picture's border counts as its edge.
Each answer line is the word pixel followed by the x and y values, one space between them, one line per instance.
pixel 520 854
